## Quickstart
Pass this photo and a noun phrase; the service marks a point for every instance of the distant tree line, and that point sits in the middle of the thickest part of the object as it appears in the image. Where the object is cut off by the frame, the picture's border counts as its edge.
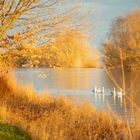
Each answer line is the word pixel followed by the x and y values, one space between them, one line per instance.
pixel 123 43
pixel 69 49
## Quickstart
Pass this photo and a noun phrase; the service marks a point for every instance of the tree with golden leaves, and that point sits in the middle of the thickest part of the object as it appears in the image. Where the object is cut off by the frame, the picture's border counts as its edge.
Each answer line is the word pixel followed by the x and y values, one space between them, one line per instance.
pixel 36 23
pixel 29 22
pixel 124 37
pixel 70 49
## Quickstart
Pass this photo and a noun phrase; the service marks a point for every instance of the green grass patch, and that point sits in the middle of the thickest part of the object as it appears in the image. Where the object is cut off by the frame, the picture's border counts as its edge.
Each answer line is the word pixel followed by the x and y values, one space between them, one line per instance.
pixel 8 132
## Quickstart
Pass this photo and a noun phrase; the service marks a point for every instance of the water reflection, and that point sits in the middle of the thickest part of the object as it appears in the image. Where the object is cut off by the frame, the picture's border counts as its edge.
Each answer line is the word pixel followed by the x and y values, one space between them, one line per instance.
pixel 78 84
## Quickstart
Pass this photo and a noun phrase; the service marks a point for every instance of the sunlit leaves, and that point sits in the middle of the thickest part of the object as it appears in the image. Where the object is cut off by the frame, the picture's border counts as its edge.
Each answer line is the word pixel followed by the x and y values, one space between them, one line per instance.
pixel 124 36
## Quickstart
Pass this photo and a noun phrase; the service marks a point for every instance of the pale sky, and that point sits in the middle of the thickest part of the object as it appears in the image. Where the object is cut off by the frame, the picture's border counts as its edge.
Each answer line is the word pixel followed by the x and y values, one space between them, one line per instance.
pixel 105 12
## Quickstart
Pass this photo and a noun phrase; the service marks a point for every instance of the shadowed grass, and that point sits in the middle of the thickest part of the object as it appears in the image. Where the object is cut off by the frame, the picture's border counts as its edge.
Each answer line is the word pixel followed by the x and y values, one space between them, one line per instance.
pixel 56 118
pixel 8 132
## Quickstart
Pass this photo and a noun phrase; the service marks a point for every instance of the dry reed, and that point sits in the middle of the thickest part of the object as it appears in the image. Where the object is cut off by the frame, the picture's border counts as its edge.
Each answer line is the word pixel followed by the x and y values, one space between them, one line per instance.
pixel 46 117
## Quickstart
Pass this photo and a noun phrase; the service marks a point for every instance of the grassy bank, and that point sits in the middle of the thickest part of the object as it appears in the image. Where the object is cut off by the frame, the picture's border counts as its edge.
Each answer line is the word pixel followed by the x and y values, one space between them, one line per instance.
pixel 8 132
pixel 56 118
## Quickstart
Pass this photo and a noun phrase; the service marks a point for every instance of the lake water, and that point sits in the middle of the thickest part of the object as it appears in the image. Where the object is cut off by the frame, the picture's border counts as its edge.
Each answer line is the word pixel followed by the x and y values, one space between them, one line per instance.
pixel 78 83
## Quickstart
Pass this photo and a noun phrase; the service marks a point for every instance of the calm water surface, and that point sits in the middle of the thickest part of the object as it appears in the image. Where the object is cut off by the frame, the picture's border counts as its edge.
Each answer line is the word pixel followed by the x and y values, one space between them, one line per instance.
pixel 78 83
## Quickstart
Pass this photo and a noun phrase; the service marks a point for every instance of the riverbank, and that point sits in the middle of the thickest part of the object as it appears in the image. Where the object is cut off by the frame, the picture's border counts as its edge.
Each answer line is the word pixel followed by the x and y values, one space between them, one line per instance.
pixel 9 132
pixel 47 117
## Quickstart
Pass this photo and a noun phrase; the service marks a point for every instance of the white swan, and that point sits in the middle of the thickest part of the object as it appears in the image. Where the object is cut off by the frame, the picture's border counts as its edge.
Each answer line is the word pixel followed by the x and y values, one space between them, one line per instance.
pixel 101 90
pixel 95 89
pixel 98 90
pixel 113 92
pixel 120 93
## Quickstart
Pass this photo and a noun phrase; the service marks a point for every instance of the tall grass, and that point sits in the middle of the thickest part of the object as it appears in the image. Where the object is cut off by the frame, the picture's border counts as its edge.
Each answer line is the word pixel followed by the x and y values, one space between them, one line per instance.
pixel 46 117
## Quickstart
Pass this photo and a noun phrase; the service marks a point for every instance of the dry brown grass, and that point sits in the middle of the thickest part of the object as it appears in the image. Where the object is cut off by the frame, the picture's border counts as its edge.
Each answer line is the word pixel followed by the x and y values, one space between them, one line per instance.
pixel 57 118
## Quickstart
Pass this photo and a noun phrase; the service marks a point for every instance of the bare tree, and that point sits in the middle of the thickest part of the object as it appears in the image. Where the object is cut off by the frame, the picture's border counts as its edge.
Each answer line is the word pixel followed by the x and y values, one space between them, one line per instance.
pixel 31 20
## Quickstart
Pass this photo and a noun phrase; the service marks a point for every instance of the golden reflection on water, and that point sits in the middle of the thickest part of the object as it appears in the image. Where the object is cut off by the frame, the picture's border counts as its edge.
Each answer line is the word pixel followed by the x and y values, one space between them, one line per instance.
pixel 71 80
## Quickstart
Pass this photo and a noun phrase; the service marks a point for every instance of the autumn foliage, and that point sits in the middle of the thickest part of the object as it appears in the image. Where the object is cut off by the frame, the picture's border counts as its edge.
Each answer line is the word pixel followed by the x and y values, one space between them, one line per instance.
pixel 123 42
